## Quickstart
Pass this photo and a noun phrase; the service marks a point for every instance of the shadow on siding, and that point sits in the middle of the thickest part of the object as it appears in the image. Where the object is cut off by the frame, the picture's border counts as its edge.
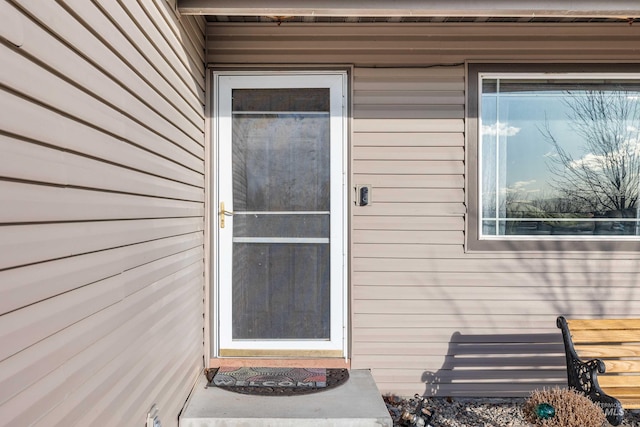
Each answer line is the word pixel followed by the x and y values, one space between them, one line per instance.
pixel 500 365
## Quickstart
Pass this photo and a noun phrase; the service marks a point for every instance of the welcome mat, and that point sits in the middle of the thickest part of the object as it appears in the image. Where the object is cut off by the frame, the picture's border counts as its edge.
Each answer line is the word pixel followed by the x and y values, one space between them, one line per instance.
pixel 275 381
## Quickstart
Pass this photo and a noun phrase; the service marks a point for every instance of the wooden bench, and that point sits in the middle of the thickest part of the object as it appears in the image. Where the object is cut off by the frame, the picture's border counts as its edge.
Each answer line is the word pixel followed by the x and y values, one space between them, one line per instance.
pixel 603 362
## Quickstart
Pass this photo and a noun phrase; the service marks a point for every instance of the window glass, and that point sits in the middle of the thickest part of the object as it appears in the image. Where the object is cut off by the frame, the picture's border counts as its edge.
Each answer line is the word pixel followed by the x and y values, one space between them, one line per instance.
pixel 558 156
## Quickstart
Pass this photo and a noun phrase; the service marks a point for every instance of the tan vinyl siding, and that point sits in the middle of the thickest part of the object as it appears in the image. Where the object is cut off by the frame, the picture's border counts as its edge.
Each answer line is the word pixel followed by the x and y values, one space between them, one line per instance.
pixel 414 225
pixel 425 315
pixel 102 212
pixel 397 45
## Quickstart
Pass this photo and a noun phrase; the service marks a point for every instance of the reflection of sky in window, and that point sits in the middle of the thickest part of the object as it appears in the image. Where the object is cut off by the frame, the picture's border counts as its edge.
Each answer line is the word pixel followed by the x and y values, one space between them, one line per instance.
pixel 527 149
pixel 524 181
pixel 520 130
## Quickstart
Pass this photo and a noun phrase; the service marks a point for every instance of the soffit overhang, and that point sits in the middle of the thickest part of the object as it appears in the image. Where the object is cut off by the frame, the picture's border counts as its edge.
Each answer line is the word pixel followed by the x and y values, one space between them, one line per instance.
pixel 414 10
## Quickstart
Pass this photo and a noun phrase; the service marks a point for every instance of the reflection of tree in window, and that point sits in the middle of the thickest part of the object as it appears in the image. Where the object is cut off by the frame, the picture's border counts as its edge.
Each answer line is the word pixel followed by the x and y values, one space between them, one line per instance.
pixel 605 180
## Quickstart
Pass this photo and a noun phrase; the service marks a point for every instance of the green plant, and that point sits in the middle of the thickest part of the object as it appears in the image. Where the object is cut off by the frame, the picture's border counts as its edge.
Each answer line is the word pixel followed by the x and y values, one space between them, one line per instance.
pixel 572 409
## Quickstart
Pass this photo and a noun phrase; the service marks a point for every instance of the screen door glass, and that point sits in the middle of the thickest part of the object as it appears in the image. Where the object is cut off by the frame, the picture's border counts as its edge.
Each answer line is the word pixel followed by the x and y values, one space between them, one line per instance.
pixel 281 203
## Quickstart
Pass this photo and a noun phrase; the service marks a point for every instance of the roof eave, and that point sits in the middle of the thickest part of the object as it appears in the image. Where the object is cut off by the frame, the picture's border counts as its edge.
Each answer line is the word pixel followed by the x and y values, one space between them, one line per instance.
pixel 441 8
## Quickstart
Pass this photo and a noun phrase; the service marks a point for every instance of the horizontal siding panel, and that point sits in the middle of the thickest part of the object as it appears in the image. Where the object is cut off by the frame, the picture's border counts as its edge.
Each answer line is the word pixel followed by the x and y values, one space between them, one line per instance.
pixel 114 53
pixel 413 96
pixel 408 125
pixel 499 363
pixel 524 305
pixel 32 162
pixel 67 62
pixel 182 385
pixel 382 112
pixel 184 34
pixel 110 386
pixel 519 323
pixel 408 139
pixel 413 209
pixel 386 223
pixel 184 373
pixel 424 85
pixel 191 26
pixel 155 29
pixel 554 284
pixel 442 341
pixel 478 293
pixel 405 250
pixel 60 131
pixel 548 266
pixel 409 236
pixel 131 122
pixel 21 328
pixel 388 58
pixel 482 362
pixel 153 46
pixel 410 181
pixel 495 276
pixel 47 393
pixel 417 195
pixel 408 153
pixel 28 244
pixel 533 322
pixel 102 220
pixel 371 97
pixel 398 75
pixel 419 44
pixel 526 346
pixel 442 338
pixel 12 28
pixel 126 34
pixel 412 167
pixel 35 362
pixel 33 283
pixel 34 203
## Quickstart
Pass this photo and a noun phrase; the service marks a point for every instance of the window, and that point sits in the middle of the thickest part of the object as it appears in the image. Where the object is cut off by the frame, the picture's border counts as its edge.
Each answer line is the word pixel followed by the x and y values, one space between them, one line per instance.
pixel 554 158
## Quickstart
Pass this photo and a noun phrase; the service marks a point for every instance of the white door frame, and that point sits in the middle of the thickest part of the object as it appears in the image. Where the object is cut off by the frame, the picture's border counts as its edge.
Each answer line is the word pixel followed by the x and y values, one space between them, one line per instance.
pixel 223 82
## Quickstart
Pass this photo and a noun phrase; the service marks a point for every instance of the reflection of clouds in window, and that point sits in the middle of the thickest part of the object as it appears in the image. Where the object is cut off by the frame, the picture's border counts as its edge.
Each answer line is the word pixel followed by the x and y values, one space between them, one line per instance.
pixel 521 186
pixel 628 149
pixel 501 129
pixel 565 147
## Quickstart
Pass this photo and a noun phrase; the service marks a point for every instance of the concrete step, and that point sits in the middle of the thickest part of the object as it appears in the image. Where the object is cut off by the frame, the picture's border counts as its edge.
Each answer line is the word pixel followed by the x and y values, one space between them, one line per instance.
pixel 356 403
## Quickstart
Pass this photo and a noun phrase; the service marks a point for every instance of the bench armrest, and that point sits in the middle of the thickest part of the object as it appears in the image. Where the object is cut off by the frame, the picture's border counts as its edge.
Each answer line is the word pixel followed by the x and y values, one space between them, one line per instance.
pixel 583 376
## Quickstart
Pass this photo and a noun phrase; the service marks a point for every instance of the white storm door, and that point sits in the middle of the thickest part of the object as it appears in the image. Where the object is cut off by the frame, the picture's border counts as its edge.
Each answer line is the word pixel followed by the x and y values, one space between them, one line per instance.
pixel 281 213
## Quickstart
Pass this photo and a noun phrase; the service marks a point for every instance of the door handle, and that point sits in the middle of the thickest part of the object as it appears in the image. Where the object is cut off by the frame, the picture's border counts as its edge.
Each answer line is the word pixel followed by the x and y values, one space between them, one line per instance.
pixel 222 213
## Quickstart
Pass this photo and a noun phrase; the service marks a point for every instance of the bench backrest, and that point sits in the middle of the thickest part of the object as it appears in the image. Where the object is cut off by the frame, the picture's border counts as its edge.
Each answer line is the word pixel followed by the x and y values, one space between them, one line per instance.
pixel 616 342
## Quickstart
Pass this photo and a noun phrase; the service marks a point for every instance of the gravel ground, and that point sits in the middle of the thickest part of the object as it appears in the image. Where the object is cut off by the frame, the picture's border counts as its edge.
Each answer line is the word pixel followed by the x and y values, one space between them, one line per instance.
pixel 466 412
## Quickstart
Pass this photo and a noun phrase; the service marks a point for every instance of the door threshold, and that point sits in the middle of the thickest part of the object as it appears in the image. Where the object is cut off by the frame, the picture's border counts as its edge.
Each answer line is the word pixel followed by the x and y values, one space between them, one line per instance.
pixel 332 362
